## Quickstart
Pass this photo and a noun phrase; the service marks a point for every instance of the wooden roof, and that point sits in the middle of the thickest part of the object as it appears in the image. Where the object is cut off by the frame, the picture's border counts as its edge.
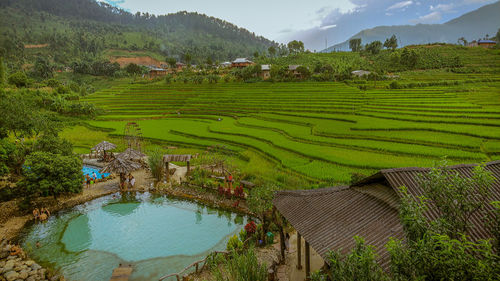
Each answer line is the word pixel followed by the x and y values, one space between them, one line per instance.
pixel 177 157
pixel 104 145
pixel 131 154
pixel 408 177
pixel 329 218
pixel 120 165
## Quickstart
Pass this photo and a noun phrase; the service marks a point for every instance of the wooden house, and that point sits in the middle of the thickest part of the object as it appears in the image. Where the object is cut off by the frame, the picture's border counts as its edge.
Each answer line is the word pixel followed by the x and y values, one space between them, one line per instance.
pixel 157 72
pixel 486 43
pixel 241 63
pixel 265 71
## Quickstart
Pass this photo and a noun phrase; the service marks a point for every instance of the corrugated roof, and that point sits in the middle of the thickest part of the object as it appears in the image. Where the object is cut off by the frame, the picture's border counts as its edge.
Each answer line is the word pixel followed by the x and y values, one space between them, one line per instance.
pixel 486 41
pixel 408 177
pixel 293 67
pixel 329 218
pixel 265 67
pixel 242 60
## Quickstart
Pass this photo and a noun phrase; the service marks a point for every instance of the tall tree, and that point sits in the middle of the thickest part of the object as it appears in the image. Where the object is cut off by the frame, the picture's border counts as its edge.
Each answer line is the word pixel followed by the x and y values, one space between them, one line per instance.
pixel 272 51
pixel 188 58
pixel 374 47
pixel 295 47
pixel 391 43
pixel 172 62
pixel 355 44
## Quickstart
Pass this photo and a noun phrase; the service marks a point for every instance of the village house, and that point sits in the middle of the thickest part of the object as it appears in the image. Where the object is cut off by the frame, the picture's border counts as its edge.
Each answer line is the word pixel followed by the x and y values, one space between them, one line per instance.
pixel 180 66
pixel 265 71
pixel 293 70
pixel 225 64
pixel 241 63
pixel 482 43
pixel 329 218
pixel 157 72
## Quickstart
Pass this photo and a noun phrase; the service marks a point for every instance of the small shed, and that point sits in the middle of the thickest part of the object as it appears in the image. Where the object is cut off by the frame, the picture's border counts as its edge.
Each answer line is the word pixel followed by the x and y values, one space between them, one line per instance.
pixel 293 70
pixel 265 71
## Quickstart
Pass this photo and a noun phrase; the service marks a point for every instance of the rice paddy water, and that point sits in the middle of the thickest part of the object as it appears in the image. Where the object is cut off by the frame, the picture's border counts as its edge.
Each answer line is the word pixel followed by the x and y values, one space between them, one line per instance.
pixel 155 234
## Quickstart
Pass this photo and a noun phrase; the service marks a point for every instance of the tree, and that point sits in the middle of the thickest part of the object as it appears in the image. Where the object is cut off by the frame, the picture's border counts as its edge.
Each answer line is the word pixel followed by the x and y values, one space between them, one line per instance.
pixel 355 44
pixel 188 58
pixel 462 41
pixel 43 68
pixel 3 72
pixel 272 51
pixel 53 144
pixel 172 62
pixel 295 47
pixel 391 43
pixel 409 58
pixel 260 202
pixel 133 69
pixel 48 174
pixel 209 62
pixel 374 47
pixel 256 55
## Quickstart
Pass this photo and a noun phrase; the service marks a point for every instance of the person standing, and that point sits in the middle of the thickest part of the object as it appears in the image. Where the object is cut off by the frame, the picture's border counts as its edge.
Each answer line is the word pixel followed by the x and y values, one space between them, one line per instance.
pixel 131 181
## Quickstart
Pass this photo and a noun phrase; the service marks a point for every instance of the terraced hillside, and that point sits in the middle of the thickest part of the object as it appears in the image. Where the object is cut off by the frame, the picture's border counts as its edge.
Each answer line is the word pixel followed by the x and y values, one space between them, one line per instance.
pixel 321 131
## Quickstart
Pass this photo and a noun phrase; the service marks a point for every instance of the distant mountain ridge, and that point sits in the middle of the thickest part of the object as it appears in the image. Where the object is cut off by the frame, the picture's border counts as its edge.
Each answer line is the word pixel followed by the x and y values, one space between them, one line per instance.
pixel 473 25
pixel 72 28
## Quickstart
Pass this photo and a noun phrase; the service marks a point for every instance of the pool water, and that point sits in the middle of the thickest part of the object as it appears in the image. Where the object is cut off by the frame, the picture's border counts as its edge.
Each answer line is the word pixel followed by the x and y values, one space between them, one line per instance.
pixel 89 170
pixel 155 234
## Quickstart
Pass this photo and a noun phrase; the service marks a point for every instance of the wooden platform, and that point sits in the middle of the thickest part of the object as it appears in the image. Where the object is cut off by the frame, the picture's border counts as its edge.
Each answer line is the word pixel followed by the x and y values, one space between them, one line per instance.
pixel 121 273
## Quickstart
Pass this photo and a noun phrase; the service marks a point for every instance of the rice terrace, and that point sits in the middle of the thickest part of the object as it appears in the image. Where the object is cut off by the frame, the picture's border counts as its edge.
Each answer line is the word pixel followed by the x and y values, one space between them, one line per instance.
pixel 278 140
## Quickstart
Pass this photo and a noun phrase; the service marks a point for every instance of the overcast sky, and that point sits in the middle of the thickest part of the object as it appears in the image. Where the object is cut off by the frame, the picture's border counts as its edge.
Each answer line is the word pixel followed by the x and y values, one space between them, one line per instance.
pixel 312 21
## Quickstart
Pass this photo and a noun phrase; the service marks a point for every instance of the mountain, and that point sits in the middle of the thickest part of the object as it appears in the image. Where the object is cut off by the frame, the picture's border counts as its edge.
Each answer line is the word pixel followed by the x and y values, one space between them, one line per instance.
pixel 472 25
pixel 69 29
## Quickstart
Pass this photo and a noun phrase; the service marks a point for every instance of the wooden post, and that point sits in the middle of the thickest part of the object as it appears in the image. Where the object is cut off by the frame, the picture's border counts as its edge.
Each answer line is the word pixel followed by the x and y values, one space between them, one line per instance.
pixel 168 172
pixel 308 261
pixel 282 243
pixel 299 251
pixel 188 168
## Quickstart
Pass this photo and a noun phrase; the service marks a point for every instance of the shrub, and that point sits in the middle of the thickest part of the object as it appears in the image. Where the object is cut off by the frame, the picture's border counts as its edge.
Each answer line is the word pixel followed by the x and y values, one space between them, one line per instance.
pixel 234 244
pixel 19 79
pixel 51 174
pixel 242 267
pixel 155 161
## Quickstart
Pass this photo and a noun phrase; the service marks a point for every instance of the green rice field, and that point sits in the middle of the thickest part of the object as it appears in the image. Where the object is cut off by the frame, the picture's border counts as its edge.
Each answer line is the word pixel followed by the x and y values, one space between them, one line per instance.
pixel 321 132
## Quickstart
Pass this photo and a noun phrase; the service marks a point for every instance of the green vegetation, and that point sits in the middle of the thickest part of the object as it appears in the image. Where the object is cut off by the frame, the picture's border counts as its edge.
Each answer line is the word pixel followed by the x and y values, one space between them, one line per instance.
pixel 322 133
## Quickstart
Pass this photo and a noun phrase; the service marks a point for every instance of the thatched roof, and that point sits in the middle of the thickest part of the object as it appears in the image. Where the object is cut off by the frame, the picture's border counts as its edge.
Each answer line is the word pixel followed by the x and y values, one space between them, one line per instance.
pixel 104 145
pixel 120 165
pixel 131 154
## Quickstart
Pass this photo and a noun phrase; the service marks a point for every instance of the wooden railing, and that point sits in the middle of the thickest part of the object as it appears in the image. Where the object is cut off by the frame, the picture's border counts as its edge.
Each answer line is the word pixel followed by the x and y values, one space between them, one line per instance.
pixel 195 264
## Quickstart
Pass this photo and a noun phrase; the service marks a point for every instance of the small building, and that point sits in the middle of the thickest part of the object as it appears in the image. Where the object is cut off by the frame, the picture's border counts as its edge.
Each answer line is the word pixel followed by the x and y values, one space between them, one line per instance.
pixel 241 63
pixel 293 70
pixel 329 218
pixel 157 72
pixel 265 71
pixel 360 73
pixel 486 43
pixel 225 64
pixel 180 66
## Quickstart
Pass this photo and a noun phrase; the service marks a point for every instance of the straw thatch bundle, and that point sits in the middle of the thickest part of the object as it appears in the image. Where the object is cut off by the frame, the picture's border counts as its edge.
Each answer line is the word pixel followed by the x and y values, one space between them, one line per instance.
pixel 103 146
pixel 120 166
pixel 131 154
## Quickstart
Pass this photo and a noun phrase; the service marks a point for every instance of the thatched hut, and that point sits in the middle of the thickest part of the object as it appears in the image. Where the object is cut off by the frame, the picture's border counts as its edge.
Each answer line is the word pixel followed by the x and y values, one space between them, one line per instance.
pixel 103 147
pixel 121 166
pixel 131 154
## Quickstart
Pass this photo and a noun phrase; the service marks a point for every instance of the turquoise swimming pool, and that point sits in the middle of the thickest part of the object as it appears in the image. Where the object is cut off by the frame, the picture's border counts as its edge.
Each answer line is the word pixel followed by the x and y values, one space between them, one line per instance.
pixel 155 234
pixel 89 170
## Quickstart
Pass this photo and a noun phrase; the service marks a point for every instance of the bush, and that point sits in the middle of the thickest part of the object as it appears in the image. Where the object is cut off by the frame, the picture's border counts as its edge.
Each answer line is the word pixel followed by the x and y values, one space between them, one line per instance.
pixel 51 174
pixel 53 144
pixel 155 161
pixel 234 244
pixel 242 267
pixel 19 79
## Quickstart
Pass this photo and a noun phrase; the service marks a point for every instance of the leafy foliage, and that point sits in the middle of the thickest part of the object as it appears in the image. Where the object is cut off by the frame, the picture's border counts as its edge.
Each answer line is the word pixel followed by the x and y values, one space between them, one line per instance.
pixel 242 267
pixel 47 174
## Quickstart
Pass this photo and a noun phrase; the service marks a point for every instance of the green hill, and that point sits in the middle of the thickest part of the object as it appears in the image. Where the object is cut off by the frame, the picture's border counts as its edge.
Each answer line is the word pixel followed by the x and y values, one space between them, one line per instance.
pixel 472 26
pixel 69 29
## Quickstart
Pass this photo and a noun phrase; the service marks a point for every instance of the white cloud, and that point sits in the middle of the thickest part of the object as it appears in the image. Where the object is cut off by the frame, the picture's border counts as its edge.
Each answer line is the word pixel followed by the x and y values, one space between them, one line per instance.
pixel 443 7
pixel 400 5
pixel 433 17
pixel 325 27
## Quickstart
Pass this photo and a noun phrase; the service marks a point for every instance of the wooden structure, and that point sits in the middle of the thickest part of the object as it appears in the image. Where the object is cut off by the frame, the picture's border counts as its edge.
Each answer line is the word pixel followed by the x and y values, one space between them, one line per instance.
pixel 196 266
pixel 292 69
pixel 157 72
pixel 101 148
pixel 486 43
pixel 241 63
pixel 167 158
pixel 121 273
pixel 120 166
pixel 131 155
pixel 329 218
pixel 265 71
